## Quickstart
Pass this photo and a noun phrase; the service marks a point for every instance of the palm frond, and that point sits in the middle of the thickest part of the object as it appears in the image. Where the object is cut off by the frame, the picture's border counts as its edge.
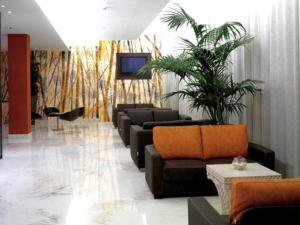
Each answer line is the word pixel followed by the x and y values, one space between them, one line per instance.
pixel 224 50
pixel 177 17
pixel 180 65
pixel 228 31
pixel 186 44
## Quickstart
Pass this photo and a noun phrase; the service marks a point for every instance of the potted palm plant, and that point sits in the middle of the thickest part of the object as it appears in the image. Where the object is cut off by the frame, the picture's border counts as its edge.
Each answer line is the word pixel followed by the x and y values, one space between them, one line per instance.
pixel 204 66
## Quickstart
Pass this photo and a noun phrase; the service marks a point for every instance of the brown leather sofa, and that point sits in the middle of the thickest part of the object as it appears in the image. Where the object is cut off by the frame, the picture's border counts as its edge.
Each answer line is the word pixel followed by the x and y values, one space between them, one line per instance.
pixel 125 111
pixel 187 177
pixel 140 136
pixel 122 107
pixel 139 117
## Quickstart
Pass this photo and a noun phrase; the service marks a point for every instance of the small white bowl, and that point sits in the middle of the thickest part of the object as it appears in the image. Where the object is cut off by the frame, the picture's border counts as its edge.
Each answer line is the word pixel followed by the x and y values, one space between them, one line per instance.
pixel 239 166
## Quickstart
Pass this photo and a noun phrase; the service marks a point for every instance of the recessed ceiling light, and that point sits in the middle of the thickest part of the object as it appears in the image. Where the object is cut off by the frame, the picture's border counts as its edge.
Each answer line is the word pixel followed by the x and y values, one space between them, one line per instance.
pixel 2 6
pixel 9 12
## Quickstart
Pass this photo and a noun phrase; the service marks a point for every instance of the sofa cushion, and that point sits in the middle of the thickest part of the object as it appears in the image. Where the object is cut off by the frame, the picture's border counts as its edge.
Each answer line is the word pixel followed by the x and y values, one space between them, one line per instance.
pixel 144 105
pixel 151 125
pixel 121 107
pixel 140 116
pixel 178 141
pixel 253 193
pixel 184 169
pixel 165 115
pixel 136 109
pixel 221 141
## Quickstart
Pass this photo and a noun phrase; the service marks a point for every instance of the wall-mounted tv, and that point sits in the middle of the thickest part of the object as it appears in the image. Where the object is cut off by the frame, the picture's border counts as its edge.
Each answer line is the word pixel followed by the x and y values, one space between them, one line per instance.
pixel 128 65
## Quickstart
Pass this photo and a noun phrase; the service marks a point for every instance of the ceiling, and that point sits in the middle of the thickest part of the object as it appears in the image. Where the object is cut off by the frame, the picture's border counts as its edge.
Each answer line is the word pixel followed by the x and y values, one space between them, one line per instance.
pixel 27 17
pixel 77 22
pixel 127 19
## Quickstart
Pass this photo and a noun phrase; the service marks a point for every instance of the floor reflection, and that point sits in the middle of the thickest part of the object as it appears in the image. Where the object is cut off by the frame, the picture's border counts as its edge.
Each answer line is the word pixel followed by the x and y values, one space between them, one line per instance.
pixel 82 175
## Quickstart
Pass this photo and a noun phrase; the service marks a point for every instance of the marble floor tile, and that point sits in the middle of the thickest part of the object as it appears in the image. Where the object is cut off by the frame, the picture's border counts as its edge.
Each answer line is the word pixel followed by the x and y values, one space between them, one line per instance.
pixel 82 175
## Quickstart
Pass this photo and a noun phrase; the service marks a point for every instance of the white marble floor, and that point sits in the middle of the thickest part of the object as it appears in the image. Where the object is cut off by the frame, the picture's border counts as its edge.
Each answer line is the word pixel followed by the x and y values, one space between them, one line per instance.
pixel 82 175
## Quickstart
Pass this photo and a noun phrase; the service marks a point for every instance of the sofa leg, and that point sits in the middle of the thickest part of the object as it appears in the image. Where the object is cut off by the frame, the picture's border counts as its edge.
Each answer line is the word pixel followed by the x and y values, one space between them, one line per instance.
pixel 158 196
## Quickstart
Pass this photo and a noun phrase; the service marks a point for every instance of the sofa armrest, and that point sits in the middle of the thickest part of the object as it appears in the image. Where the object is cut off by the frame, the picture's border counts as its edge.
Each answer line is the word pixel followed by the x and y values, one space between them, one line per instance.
pixel 119 115
pixel 184 117
pixel 124 129
pixel 153 170
pixel 115 116
pixel 262 155
pixel 201 212
pixel 139 138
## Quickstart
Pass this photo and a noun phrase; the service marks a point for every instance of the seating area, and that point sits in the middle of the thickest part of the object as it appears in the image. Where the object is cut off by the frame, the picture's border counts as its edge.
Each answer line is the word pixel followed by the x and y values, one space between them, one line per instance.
pixel 161 112
pixel 184 157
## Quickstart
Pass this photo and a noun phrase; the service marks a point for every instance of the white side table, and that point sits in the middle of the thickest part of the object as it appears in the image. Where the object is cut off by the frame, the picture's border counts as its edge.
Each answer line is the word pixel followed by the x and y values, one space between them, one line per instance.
pixel 223 174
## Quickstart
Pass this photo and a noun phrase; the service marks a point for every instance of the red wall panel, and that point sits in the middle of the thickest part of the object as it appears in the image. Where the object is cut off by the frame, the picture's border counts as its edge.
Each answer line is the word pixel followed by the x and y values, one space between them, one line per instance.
pixel 19 84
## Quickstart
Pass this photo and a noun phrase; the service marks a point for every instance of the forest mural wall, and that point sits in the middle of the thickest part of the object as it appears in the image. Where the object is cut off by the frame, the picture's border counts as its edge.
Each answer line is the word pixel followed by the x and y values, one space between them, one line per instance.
pixel 86 77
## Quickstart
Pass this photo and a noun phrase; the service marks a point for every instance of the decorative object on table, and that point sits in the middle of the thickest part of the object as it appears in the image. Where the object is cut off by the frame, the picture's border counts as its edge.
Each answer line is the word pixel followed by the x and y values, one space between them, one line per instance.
pixel 203 66
pixel 239 163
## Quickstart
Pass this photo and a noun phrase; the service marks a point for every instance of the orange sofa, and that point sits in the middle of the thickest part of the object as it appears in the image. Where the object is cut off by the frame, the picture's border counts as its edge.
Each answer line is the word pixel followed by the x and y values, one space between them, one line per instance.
pixel 175 165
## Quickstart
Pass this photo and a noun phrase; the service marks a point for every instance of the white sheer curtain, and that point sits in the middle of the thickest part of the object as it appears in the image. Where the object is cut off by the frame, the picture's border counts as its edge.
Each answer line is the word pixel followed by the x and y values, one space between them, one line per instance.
pixel 274 115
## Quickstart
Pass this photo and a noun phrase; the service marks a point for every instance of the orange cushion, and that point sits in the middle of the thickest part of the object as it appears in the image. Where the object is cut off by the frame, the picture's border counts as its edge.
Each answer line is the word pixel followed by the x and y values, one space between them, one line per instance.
pixel 224 141
pixel 253 193
pixel 178 141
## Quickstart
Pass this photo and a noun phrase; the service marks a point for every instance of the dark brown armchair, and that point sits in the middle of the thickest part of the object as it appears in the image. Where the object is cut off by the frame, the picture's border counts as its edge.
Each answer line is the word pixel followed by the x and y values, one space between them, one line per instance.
pixel 122 107
pixel 139 117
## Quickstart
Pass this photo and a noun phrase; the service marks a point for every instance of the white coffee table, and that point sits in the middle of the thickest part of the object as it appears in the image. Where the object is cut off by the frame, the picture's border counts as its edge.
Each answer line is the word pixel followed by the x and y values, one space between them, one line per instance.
pixel 223 174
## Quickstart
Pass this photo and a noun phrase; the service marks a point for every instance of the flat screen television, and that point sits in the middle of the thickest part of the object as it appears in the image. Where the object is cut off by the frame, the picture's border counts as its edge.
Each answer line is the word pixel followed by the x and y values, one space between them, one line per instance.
pixel 128 65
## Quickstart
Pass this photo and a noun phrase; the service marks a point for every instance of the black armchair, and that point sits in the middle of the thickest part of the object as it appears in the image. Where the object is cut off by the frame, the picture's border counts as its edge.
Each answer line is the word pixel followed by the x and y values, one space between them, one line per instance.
pixel 73 114
pixel 49 110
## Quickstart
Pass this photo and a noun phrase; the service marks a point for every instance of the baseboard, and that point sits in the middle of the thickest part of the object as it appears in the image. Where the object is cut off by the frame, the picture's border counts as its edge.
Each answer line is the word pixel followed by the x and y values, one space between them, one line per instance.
pixel 20 138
